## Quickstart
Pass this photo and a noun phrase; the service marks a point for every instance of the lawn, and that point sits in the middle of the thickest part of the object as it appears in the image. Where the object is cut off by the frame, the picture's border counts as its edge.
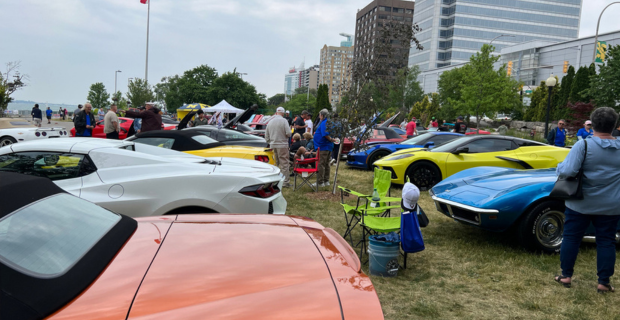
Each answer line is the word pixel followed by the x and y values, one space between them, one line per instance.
pixel 467 273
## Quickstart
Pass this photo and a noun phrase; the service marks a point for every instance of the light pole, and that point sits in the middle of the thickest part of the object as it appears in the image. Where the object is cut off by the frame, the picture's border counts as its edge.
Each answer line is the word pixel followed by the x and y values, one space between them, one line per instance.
pixel 597 25
pixel 501 35
pixel 115 74
pixel 551 81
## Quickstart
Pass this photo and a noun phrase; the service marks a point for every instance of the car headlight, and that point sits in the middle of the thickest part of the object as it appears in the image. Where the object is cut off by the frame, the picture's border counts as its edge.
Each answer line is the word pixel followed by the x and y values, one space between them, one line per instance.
pixel 398 157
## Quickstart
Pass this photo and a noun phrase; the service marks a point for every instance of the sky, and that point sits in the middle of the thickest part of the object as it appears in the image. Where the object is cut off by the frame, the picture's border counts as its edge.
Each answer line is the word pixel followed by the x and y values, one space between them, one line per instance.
pixel 64 46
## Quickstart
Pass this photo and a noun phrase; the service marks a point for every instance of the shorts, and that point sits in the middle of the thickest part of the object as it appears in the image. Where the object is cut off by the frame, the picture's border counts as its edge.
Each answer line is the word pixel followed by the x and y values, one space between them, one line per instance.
pixel 37 121
pixel 49 117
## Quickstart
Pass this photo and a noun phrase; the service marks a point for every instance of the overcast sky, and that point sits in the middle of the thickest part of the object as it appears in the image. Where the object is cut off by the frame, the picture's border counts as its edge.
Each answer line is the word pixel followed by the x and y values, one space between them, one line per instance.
pixel 67 45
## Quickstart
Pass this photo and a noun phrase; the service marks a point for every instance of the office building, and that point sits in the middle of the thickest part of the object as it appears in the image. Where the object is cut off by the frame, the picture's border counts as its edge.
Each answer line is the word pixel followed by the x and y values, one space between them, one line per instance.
pixel 454 30
pixel 373 18
pixel 309 77
pixel 536 60
pixel 292 80
pixel 334 70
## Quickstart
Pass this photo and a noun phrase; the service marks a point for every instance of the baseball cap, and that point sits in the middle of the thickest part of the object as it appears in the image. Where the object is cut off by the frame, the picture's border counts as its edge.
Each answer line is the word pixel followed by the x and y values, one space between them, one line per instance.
pixel 460 117
pixel 410 194
pixel 413 118
pixel 588 122
pixel 288 111
pixel 433 118
pixel 280 109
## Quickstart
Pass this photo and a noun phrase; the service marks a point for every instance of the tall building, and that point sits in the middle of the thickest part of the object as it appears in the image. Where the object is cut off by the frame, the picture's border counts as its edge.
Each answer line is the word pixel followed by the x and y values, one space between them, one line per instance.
pixel 309 77
pixel 377 15
pixel 292 80
pixel 334 70
pixel 453 30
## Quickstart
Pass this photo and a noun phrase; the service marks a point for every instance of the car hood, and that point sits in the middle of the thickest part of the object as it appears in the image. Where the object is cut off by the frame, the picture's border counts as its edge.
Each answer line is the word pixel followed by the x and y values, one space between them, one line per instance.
pixel 241 269
pixel 243 166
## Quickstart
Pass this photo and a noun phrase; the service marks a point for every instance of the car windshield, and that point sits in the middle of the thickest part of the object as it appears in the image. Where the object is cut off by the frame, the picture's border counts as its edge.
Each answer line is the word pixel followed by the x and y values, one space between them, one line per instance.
pixel 203 139
pixel 451 145
pixel 417 140
pixel 226 135
pixel 48 237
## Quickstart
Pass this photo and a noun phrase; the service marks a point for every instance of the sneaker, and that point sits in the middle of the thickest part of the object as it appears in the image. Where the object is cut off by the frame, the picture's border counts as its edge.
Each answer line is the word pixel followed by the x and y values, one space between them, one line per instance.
pixel 286 185
pixel 332 162
pixel 320 185
pixel 326 184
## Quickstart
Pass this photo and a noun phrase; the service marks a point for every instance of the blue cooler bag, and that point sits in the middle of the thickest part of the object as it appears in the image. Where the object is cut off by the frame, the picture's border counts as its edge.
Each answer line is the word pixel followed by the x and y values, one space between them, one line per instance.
pixel 410 234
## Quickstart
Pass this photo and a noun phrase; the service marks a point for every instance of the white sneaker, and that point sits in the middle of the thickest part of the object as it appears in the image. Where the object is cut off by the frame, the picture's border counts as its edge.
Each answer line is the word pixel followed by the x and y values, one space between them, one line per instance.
pixel 332 162
pixel 326 184
pixel 320 185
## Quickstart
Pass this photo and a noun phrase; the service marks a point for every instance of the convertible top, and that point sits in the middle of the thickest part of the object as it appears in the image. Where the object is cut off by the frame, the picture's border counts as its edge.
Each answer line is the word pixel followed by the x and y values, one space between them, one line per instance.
pixel 182 139
pixel 26 296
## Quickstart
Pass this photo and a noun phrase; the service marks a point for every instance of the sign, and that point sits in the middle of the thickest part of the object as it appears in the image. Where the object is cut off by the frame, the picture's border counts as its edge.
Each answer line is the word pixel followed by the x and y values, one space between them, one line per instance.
pixel 528 91
pixel 527 101
pixel 601 50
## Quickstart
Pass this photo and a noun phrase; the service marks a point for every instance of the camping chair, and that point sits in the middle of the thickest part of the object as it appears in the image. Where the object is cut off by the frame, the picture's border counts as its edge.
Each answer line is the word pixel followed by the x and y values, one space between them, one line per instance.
pixel 376 224
pixel 305 174
pixel 382 181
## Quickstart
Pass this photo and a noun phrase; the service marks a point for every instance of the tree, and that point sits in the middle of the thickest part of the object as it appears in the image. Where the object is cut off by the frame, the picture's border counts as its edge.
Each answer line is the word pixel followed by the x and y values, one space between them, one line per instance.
pixel 420 108
pixel 276 100
pixel 194 85
pixel 580 83
pixel 579 113
pixel 236 91
pixel 404 91
pixel 605 86
pixel 139 92
pixel 7 88
pixel 560 111
pixel 449 87
pixel 299 102
pixel 98 96
pixel 322 99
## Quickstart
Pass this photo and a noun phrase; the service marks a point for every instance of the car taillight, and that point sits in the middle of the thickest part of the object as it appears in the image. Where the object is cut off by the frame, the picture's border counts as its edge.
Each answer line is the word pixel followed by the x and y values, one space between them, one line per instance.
pixel 261 190
pixel 38 134
pixel 44 133
pixel 262 158
pixel 65 133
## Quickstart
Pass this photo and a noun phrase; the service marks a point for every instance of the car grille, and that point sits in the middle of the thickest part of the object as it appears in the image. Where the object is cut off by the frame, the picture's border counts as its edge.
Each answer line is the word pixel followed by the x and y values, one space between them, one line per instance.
pixel 463 214
pixel 350 158
pixel 270 211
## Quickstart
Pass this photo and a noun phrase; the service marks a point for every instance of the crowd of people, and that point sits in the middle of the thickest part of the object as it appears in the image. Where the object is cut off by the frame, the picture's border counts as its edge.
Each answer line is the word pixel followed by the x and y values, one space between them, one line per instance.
pixel 146 118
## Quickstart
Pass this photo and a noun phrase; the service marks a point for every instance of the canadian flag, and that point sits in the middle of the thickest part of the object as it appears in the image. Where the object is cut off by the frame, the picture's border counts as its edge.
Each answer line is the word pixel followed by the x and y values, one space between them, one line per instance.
pixel 143 1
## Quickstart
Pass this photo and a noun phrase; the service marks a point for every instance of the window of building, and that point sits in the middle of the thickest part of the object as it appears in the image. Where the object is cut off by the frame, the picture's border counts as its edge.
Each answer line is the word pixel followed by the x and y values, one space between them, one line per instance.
pixel 386 9
pixel 398 10
pixel 383 16
pixel 397 18
pixel 409 11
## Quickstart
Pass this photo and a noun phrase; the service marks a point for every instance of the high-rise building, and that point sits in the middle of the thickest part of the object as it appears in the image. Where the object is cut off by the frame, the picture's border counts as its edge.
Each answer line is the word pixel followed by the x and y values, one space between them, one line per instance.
pixel 334 70
pixel 309 77
pixel 373 18
pixel 292 80
pixel 454 30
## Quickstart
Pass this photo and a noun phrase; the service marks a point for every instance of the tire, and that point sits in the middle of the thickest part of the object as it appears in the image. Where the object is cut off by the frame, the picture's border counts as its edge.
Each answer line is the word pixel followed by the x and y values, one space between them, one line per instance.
pixel 423 174
pixel 7 141
pixel 377 155
pixel 542 227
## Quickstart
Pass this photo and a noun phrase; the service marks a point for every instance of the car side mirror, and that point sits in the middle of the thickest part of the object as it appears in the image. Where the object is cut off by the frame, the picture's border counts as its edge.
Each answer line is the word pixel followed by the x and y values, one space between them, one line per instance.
pixel 429 144
pixel 461 150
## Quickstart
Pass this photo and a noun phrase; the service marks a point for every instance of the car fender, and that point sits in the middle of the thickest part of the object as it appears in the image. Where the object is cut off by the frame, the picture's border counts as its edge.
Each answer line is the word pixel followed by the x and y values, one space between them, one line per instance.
pixel 375 152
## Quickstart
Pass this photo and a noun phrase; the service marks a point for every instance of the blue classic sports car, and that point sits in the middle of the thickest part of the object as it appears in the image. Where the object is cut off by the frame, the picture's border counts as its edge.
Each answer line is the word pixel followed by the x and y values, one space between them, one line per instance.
pixel 498 199
pixel 364 159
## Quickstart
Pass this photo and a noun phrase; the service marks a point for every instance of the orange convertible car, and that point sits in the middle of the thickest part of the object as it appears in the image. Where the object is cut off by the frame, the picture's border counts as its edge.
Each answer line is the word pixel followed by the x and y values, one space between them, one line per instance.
pixel 62 257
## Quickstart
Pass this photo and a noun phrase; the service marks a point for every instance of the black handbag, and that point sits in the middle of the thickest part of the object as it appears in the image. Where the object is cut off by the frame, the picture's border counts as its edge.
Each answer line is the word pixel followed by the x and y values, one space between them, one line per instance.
pixel 570 187
pixel 422 218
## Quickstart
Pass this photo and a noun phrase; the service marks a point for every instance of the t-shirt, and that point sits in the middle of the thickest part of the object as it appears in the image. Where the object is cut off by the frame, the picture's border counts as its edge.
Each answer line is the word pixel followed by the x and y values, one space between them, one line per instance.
pixel 101 114
pixel 309 127
pixel 460 127
pixel 320 142
pixel 48 113
pixel 435 124
pixel 410 128
pixel 299 122
pixel 108 125
pixel 583 133
pixel 87 131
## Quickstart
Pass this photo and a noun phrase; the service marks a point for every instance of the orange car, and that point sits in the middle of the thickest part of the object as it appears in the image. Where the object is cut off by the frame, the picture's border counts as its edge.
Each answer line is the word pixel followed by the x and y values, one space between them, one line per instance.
pixel 62 257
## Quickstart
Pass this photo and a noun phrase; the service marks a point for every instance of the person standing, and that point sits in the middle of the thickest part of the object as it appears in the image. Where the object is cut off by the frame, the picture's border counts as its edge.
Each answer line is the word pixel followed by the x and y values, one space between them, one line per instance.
pixel 460 126
pixel 403 125
pixel 324 142
pixel 64 114
pixel 557 136
pixel 288 118
pixel 48 115
pixel 32 112
pixel 37 115
pixel 335 151
pixel 586 131
pixel 60 113
pixel 616 132
pixel 84 122
pixel 75 113
pixel 502 129
pixel 434 123
pixel 111 126
pixel 309 123
pixel 200 120
pixel 101 113
pixel 151 119
pixel 277 135
pixel 411 128
pixel 300 123
pixel 601 190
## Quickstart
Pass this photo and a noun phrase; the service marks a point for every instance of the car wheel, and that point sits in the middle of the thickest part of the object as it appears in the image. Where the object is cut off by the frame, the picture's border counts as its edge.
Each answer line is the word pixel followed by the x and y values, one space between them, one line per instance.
pixel 423 174
pixel 542 227
pixel 7 141
pixel 375 157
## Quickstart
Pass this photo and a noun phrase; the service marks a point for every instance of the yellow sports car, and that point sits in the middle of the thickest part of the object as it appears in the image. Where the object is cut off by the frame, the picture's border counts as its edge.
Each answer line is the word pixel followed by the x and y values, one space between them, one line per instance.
pixel 197 143
pixel 425 167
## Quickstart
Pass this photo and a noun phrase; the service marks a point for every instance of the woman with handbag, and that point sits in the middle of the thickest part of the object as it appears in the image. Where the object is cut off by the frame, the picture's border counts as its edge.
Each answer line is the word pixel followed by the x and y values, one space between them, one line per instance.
pixel 593 163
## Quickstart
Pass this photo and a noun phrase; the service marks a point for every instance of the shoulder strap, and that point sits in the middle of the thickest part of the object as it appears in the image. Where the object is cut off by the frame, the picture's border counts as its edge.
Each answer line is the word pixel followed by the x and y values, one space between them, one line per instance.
pixel 584 155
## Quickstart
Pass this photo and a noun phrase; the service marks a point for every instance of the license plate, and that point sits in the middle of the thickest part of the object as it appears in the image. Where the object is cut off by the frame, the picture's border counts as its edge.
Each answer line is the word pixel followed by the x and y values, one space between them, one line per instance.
pixel 304 174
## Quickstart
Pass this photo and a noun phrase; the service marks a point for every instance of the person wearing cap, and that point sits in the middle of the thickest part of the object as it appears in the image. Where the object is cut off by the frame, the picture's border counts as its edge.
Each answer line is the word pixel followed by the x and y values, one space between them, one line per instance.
pixel 300 123
pixel 586 131
pixel 288 118
pixel 200 120
pixel 411 128
pixel 434 123
pixel 151 119
pixel 277 135
pixel 460 126
pixel 557 136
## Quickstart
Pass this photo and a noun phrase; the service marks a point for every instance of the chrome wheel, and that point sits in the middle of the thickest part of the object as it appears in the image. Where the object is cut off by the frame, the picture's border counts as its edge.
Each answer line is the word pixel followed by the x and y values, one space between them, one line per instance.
pixel 6 142
pixel 549 228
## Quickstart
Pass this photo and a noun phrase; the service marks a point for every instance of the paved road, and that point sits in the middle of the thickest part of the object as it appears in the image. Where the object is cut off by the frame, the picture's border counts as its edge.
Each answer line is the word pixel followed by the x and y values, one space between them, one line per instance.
pixel 55 123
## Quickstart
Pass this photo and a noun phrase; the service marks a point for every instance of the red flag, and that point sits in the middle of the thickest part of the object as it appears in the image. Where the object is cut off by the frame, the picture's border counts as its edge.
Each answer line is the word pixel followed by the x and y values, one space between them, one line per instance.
pixel 143 1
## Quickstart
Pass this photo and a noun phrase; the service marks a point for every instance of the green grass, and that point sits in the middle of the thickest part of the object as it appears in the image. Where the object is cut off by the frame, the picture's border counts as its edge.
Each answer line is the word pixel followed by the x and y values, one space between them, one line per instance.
pixel 467 273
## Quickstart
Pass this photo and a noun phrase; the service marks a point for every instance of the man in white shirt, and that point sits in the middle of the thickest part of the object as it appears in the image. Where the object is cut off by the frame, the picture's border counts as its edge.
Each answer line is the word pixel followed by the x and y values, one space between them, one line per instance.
pixel 309 123
pixel 111 126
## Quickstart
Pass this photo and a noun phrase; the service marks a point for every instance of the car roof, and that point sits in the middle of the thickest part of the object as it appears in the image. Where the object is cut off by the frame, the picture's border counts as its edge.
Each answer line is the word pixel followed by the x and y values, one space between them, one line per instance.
pixel 182 139
pixel 80 145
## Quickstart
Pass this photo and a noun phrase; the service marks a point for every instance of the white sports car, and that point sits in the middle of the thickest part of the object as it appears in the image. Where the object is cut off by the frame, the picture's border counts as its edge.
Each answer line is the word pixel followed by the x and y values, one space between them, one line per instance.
pixel 13 130
pixel 141 180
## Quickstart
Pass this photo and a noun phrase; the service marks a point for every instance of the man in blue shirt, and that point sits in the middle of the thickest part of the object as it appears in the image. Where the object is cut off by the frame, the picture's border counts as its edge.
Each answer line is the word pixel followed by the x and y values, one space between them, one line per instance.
pixel 85 122
pixel 48 114
pixel 586 131
pixel 325 143
pixel 557 136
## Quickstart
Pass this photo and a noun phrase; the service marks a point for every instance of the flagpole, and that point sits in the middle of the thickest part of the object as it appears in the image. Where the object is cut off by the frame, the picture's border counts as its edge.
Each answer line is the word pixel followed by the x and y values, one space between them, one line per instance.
pixel 146 69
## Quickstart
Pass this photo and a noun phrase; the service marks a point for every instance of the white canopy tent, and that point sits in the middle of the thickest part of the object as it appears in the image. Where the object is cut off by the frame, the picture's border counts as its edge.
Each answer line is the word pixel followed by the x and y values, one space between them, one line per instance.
pixel 223 107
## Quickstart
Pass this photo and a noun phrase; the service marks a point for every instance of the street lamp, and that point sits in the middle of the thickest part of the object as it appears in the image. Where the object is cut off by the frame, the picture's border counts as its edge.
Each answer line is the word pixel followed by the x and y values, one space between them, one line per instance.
pixel 115 73
pixel 551 81
pixel 501 35
pixel 597 25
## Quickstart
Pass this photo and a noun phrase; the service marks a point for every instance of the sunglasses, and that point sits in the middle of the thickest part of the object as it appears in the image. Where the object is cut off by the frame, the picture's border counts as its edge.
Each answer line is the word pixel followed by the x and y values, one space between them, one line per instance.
pixel 561 124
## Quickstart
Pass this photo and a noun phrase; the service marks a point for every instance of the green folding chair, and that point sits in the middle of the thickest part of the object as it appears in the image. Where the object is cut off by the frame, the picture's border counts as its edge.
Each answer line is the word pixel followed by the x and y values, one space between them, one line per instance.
pixel 376 224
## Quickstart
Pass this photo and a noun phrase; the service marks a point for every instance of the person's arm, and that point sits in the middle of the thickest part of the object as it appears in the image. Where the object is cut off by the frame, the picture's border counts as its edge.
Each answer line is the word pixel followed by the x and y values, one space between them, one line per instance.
pixel 267 135
pixel 287 131
pixel 572 164
pixel 134 114
pixel 551 137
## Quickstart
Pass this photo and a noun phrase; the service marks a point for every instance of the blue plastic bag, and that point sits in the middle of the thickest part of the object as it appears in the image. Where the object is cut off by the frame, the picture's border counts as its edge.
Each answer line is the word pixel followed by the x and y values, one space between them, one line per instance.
pixel 410 233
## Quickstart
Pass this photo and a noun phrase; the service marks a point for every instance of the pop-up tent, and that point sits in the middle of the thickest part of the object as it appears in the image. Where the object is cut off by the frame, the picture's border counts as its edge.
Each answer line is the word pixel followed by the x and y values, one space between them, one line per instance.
pixel 223 107
pixel 187 108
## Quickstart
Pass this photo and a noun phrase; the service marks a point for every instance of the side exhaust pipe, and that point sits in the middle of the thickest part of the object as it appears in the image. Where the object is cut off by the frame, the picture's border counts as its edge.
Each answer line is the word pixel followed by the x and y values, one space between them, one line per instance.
pixel 592 239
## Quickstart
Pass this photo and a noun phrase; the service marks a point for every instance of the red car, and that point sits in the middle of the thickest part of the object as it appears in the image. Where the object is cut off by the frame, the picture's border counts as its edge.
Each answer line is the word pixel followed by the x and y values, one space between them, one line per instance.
pixel 471 131
pixel 379 134
pixel 126 124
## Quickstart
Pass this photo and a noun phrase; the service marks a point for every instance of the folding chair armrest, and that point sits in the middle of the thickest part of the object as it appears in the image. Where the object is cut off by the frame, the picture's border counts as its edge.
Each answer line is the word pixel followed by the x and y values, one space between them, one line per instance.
pixel 357 194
